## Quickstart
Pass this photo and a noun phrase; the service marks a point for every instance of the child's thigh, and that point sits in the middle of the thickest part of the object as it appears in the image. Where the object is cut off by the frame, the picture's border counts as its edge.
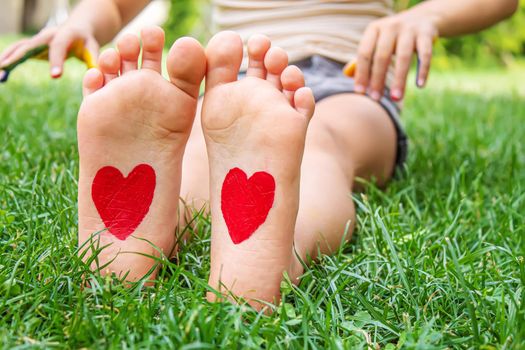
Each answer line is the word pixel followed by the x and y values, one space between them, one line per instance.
pixel 195 171
pixel 358 132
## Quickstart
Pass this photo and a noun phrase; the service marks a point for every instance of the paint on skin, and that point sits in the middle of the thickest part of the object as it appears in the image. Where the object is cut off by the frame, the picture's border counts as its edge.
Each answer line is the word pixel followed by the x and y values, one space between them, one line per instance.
pixel 123 202
pixel 246 202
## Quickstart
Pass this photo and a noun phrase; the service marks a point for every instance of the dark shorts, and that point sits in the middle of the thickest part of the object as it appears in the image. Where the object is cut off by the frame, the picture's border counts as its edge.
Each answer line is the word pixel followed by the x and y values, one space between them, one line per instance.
pixel 325 77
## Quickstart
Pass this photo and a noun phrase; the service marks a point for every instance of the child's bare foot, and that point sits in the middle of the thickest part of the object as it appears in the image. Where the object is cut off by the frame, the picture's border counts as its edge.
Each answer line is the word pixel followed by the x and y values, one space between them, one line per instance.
pixel 255 131
pixel 132 130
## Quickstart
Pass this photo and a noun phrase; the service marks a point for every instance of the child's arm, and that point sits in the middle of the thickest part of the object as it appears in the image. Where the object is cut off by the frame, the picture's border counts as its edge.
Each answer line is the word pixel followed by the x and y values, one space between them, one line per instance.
pixel 454 17
pixel 95 22
pixel 415 30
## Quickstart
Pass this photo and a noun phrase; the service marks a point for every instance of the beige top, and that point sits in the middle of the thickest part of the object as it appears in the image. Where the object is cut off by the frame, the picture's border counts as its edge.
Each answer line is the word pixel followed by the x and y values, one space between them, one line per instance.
pixel 303 27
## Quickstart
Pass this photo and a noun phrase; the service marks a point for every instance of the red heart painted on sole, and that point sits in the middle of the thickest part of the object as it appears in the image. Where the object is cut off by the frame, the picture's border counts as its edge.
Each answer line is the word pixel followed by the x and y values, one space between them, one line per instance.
pixel 123 202
pixel 245 203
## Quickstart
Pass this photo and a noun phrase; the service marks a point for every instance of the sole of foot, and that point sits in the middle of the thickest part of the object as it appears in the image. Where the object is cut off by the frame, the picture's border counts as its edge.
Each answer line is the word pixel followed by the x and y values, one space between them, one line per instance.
pixel 255 131
pixel 133 126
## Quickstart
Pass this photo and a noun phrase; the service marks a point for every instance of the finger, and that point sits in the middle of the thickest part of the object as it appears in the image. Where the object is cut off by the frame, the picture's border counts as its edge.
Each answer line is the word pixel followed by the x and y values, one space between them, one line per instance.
pixel 10 50
pixel 364 59
pixel 58 49
pixel 46 34
pixel 424 56
pixel 404 51
pixel 19 52
pixel 18 49
pixel 382 58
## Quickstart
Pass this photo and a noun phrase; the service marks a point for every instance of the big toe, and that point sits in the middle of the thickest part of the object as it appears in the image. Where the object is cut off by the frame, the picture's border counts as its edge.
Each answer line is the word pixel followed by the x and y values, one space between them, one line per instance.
pixel 224 57
pixel 187 65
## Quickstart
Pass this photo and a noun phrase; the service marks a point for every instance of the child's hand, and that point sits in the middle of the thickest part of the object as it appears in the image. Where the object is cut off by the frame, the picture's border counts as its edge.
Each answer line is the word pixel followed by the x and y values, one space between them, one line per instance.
pixel 400 35
pixel 59 40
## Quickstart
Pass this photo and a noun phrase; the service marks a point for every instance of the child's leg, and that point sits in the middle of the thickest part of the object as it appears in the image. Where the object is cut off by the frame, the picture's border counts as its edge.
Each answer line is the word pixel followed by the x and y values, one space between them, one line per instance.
pixel 195 189
pixel 132 131
pixel 350 135
pixel 255 131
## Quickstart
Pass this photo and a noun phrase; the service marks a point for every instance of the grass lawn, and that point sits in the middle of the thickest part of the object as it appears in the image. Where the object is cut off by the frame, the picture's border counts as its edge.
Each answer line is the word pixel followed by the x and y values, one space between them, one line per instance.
pixel 438 260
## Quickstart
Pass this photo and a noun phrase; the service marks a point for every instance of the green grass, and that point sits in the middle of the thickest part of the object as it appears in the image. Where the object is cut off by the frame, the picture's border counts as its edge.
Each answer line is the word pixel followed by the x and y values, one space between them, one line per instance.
pixel 438 260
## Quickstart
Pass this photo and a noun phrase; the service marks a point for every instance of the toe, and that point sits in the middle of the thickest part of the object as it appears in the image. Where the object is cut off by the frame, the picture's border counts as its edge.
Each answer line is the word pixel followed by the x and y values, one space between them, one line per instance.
pixel 109 63
pixel 292 79
pixel 187 65
pixel 275 62
pixel 224 56
pixel 129 49
pixel 93 80
pixel 304 102
pixel 152 45
pixel 258 46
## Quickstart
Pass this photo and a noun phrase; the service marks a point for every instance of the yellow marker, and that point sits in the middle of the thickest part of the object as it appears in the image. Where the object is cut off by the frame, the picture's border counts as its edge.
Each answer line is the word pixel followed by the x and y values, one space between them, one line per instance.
pixel 349 69
pixel 77 50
